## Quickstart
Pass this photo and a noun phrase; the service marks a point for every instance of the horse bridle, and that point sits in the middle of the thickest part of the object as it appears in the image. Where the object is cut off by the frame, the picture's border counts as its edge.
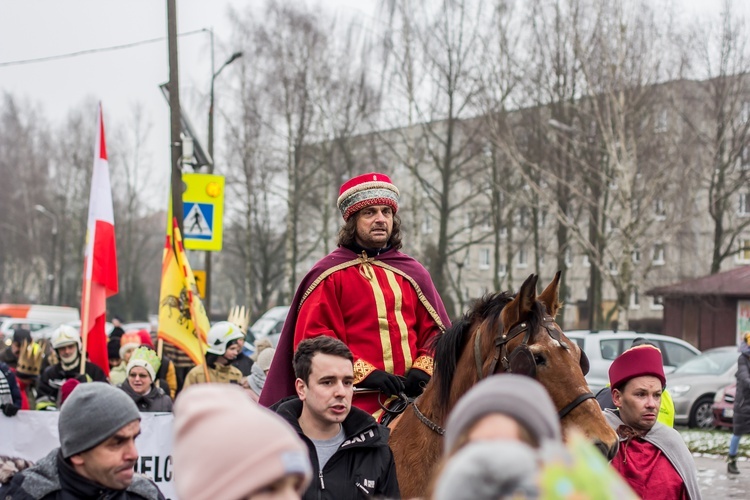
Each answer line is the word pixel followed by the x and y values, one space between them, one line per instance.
pixel 521 359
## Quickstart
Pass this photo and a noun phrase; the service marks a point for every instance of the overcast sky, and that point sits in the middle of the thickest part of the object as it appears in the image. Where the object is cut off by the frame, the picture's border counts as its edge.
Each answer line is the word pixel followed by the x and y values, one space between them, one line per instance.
pixel 121 78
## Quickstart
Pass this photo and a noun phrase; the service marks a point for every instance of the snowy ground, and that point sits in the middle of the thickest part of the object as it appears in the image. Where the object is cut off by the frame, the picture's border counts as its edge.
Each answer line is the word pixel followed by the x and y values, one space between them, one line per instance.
pixel 712 442
pixel 710 450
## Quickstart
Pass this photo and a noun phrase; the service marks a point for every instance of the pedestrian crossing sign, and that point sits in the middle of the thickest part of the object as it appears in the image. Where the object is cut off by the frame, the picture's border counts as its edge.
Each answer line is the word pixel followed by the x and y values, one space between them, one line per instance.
pixel 203 211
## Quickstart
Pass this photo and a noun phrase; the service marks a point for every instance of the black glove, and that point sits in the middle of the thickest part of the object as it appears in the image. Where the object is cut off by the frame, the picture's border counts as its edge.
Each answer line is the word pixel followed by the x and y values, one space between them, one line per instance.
pixel 388 384
pixel 9 409
pixel 416 380
pixel 82 378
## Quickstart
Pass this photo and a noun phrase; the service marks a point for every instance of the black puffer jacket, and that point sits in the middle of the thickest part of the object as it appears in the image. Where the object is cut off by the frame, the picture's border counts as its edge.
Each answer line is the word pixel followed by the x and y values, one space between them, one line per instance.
pixel 153 401
pixel 53 377
pixel 742 397
pixel 363 465
pixel 54 479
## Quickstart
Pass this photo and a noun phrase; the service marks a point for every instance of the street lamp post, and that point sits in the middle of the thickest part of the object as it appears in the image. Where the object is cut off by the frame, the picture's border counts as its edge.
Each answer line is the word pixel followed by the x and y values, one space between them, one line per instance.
pixel 51 271
pixel 232 58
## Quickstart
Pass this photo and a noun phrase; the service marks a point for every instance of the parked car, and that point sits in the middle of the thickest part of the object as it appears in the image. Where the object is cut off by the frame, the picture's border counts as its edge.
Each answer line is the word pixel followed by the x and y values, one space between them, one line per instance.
pixel 7 325
pixel 33 316
pixel 267 326
pixel 605 346
pixel 723 406
pixel 46 332
pixel 694 385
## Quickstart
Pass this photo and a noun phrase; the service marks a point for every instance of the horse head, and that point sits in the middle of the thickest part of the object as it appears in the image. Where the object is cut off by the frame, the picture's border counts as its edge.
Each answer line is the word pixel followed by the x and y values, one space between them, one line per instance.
pixel 518 334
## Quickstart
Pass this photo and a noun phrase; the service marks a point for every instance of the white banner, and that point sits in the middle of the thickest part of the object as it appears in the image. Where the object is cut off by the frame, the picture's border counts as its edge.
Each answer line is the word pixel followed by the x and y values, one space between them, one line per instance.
pixel 33 434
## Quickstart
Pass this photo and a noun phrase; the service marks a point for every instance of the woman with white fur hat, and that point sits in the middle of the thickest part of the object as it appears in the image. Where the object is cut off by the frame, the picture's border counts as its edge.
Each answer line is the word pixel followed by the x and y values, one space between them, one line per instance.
pixel 139 384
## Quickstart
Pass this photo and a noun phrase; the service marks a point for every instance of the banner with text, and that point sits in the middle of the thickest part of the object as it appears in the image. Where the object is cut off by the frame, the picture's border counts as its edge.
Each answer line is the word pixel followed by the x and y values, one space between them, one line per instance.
pixel 33 434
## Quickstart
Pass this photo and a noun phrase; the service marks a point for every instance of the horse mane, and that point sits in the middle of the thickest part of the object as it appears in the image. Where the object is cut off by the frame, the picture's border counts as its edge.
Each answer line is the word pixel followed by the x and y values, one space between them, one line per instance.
pixel 449 346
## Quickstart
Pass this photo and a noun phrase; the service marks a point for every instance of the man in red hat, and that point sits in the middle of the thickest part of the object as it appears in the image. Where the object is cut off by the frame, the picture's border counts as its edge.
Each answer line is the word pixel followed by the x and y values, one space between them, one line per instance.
pixel 379 301
pixel 652 457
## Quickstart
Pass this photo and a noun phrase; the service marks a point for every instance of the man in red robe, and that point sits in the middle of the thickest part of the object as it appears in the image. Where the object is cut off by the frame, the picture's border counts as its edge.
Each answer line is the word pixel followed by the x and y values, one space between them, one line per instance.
pixel 652 457
pixel 379 301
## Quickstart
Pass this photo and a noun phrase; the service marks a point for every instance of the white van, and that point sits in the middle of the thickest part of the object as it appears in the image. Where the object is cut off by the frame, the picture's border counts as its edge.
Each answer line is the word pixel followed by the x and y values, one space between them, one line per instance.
pixel 32 316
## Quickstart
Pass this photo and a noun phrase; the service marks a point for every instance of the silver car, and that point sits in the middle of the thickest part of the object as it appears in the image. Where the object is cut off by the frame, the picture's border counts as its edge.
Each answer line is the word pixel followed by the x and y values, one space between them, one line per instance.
pixel 694 384
pixel 603 347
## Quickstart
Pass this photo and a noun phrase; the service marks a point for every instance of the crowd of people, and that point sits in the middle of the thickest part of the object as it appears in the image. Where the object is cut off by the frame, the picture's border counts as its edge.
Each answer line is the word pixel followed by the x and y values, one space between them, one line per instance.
pixel 305 420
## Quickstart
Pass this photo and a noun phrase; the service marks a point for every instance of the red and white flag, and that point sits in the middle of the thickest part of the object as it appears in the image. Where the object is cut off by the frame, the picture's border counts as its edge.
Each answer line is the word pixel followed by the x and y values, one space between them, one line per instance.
pixel 100 260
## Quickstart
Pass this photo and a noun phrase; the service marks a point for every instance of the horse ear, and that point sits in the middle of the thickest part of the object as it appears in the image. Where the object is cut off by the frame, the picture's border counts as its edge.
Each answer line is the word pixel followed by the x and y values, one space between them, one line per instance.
pixel 526 297
pixel 550 295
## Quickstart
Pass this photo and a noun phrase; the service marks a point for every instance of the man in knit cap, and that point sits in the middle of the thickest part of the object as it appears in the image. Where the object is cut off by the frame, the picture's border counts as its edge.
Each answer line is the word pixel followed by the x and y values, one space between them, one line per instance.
pixel 380 302
pixel 652 457
pixel 227 447
pixel 98 425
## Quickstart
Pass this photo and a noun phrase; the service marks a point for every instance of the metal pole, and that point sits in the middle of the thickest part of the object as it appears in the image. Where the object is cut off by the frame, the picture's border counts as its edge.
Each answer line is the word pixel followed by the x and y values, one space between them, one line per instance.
pixel 174 111
pixel 52 265
pixel 214 74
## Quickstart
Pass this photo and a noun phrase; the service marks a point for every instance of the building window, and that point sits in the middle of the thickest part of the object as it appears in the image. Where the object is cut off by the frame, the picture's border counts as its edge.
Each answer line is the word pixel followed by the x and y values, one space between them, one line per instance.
pixel 743 255
pixel 745 158
pixel 484 258
pixel 658 256
pixel 745 112
pixel 657 303
pixel 502 270
pixel 568 257
pixel 636 255
pixel 523 217
pixel 661 123
pixel 427 224
pixel 635 299
pixel 586 262
pixel 613 270
pixel 503 232
pixel 523 258
pixel 744 208
pixel 486 221
pixel 659 209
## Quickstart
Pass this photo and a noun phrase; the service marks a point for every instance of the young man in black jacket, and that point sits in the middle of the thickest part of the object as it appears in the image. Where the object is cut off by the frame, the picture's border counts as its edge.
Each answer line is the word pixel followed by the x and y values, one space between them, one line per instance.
pixel 348 448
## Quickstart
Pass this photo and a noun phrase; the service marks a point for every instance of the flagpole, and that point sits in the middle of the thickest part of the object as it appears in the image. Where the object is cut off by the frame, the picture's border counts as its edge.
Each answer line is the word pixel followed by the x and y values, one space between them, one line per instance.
pixel 85 323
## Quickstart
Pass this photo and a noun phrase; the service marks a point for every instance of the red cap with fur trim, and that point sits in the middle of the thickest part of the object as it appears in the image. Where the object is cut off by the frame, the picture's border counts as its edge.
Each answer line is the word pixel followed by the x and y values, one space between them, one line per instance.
pixel 636 362
pixel 367 190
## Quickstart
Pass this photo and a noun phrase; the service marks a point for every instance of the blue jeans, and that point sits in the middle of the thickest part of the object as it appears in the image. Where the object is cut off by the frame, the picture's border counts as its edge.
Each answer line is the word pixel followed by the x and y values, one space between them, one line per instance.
pixel 734 445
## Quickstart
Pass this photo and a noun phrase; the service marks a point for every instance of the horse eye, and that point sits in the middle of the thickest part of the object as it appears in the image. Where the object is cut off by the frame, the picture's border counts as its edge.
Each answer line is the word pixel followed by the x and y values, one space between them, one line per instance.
pixel 539 359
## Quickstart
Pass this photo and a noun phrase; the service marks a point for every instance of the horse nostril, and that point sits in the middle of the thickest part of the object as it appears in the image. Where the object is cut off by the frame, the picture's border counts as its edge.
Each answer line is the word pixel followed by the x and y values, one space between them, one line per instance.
pixel 607 451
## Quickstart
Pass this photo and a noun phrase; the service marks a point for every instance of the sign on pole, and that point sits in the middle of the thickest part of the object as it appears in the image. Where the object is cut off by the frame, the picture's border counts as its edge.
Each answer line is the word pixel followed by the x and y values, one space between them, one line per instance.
pixel 203 206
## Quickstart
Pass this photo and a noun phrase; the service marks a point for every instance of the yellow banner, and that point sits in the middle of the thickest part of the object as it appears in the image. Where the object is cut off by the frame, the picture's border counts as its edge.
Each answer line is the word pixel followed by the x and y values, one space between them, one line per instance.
pixel 182 318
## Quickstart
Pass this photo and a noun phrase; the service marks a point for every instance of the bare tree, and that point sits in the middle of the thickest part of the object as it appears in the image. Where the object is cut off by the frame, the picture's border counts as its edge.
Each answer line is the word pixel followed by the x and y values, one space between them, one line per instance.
pixel 722 127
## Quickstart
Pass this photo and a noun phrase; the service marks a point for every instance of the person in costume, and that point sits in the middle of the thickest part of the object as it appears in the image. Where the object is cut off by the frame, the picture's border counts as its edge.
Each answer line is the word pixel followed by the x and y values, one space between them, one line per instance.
pixel 652 457
pixel 379 301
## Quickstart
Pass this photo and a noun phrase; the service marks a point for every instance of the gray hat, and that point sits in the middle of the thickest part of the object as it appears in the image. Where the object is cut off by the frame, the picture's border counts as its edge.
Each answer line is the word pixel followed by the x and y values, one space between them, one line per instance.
pixel 93 412
pixel 517 396
pixel 490 470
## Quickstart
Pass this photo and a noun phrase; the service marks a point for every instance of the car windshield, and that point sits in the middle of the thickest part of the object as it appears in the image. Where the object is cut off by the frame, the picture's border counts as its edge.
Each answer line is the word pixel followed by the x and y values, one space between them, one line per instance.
pixel 709 363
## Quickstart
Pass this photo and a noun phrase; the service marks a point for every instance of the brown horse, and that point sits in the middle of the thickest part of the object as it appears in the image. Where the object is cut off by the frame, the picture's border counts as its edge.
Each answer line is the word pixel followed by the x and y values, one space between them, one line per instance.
pixel 502 332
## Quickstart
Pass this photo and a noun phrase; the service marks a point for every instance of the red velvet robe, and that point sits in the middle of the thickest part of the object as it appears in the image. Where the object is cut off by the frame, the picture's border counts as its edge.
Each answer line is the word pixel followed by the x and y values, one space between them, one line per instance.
pixel 378 315
pixel 651 475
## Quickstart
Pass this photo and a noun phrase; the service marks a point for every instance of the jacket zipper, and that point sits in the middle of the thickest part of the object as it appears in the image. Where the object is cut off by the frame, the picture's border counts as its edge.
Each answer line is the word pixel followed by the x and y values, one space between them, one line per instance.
pixel 322 483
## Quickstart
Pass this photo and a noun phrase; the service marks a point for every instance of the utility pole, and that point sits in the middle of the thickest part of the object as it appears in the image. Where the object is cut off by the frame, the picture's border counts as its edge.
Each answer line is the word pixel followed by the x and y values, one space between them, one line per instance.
pixel 174 114
pixel 214 74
